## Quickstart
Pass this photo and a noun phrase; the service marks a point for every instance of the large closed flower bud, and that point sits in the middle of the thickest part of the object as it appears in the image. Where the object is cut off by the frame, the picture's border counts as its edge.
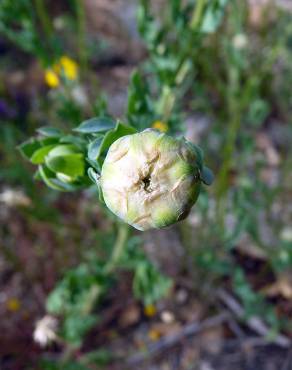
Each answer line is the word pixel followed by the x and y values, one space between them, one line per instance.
pixel 150 179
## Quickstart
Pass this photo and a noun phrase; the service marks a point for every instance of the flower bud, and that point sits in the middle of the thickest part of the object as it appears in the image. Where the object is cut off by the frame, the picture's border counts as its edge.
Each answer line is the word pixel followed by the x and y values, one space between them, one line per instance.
pixel 150 179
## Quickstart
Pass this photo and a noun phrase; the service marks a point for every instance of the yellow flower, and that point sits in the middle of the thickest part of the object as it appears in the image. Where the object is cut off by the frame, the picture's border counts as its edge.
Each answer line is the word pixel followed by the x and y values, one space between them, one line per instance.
pixel 161 126
pixel 150 310
pixel 65 66
pixel 69 67
pixel 52 78
pixel 154 335
pixel 13 304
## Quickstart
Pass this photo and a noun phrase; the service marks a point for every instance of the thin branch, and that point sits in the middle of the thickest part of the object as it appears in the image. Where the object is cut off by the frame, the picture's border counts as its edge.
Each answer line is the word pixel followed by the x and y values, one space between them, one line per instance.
pixel 254 323
pixel 171 340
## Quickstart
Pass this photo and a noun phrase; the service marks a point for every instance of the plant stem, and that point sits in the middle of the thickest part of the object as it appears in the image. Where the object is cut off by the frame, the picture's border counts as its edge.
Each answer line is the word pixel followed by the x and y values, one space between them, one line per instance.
pixel 81 34
pixel 43 17
pixel 123 233
pixel 197 15
pixel 229 148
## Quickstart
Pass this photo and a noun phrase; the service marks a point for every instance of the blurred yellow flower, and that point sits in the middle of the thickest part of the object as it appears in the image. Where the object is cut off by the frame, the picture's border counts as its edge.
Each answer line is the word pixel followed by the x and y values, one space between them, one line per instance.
pixel 52 78
pixel 13 304
pixel 154 334
pixel 161 126
pixel 69 68
pixel 150 310
pixel 66 67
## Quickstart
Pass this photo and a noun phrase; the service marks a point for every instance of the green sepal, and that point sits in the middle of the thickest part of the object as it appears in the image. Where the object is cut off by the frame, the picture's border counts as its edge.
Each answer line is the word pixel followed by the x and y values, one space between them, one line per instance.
pixel 94 164
pixel 94 177
pixel 207 176
pixel 95 125
pixel 198 153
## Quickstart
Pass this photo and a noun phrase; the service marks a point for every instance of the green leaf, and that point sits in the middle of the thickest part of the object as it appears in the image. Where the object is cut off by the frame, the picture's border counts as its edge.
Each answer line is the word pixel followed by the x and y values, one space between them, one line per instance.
pixel 97 357
pixel 213 16
pixel 49 131
pixel 28 148
pixel 94 147
pixel 64 149
pixel 113 135
pixel 95 125
pixel 75 327
pixel 39 155
pixel 71 164
pixel 207 176
pixel 47 176
pixel 70 139
pixel 65 185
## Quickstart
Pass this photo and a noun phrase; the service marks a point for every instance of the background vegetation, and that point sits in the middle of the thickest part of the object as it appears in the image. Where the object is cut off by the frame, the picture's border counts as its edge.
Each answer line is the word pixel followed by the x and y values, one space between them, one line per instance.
pixel 218 72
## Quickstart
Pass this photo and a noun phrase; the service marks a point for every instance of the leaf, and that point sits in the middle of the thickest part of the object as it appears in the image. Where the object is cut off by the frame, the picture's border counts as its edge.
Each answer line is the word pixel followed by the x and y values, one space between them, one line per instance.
pixel 207 176
pixel 149 284
pixel 64 149
pixel 97 357
pixel 110 137
pixel 39 155
pixel 213 16
pixel 28 148
pixel 65 185
pixel 70 139
pixel 76 326
pixel 47 176
pixel 94 148
pixel 95 125
pixel 71 164
pixel 49 131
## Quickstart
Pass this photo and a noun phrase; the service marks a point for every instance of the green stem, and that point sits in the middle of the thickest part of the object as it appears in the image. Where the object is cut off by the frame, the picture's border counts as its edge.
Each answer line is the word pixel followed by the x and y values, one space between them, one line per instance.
pixel 95 291
pixel 81 34
pixel 43 17
pixel 123 233
pixel 229 148
pixel 197 15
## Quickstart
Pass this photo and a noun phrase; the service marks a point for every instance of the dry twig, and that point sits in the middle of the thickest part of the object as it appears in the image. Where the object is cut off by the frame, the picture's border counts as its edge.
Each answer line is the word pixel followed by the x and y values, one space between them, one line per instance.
pixel 254 323
pixel 170 340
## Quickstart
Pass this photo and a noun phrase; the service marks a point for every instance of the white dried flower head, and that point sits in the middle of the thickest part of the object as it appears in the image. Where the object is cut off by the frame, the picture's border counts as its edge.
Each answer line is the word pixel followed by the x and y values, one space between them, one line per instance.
pixel 45 331
pixel 151 180
pixel 240 41
pixel 12 198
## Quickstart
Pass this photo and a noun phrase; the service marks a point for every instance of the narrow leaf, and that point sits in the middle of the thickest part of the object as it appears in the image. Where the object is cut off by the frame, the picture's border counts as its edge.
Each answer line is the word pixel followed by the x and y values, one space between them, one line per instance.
pixel 95 125
pixel 49 131
pixel 113 135
pixel 94 147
